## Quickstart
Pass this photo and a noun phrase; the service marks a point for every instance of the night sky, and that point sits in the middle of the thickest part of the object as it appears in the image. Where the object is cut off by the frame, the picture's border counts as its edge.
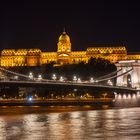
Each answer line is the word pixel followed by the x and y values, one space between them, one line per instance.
pixel 38 24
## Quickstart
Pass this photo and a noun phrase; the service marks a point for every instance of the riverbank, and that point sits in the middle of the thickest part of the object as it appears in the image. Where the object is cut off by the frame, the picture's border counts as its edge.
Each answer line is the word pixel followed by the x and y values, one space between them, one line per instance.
pixel 54 102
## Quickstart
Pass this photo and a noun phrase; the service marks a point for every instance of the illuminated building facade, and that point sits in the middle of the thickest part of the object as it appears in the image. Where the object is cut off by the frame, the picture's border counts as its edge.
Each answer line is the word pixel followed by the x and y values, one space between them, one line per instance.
pixel 64 54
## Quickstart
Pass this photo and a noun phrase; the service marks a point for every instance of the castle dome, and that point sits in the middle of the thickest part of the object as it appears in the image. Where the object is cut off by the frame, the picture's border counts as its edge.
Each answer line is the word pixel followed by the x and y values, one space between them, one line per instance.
pixel 64 37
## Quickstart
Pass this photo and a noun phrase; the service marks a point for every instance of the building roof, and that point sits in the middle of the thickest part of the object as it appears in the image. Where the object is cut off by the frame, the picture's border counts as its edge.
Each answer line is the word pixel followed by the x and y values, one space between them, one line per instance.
pixel 64 37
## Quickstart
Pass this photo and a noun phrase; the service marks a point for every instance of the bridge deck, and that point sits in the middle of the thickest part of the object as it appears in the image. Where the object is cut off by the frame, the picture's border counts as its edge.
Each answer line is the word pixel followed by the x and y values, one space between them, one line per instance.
pixel 51 83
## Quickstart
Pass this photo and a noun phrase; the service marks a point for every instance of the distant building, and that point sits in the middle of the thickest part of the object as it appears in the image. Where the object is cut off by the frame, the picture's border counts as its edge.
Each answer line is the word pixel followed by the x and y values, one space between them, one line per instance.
pixel 64 54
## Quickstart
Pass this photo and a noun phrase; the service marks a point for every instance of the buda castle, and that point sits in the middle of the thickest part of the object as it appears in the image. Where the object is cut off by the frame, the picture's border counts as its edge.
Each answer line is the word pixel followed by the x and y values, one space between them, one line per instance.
pixel 64 54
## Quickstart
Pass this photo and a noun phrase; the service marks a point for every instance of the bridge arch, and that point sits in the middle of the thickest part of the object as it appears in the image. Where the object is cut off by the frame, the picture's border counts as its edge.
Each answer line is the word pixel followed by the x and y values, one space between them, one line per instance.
pixel 129 80
pixel 132 78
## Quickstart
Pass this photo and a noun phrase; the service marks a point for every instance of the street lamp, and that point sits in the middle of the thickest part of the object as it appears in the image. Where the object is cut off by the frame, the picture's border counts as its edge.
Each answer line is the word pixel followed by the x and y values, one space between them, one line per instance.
pixel 31 75
pixel 16 77
pixel 54 77
pixel 61 79
pixel 91 80
pixel 79 80
pixel 74 78
pixel 39 77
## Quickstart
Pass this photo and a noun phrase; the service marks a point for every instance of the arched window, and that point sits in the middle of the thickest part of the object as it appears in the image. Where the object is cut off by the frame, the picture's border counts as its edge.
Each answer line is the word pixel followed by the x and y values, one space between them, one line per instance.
pixel 129 81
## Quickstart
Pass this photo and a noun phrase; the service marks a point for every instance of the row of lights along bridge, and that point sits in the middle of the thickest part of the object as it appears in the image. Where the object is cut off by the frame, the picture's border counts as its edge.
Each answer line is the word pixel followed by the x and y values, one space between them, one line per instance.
pixel 62 79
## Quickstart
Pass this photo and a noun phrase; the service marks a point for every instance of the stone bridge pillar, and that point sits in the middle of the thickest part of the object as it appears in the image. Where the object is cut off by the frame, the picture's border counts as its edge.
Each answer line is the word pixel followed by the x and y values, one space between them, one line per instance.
pixel 131 79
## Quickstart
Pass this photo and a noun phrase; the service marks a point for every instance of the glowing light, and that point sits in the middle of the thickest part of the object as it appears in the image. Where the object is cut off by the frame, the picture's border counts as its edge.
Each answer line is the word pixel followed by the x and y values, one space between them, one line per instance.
pixel 134 96
pixel 96 81
pixel 129 96
pixel 74 78
pixel 127 61
pixel 63 55
pixel 30 99
pixel 54 77
pixel 61 79
pixel 31 75
pixel 75 114
pixel 91 80
pixel 124 96
pixel 75 90
pixel 16 77
pixel 39 77
pixel 119 96
pixel 79 80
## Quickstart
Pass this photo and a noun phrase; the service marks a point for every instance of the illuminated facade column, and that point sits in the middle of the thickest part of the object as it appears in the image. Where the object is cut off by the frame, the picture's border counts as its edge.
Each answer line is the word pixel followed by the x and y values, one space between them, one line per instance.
pixel 136 74
pixel 120 80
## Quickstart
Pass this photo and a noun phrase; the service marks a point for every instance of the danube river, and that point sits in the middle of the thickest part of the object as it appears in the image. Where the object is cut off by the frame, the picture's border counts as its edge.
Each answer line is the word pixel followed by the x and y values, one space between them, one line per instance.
pixel 69 123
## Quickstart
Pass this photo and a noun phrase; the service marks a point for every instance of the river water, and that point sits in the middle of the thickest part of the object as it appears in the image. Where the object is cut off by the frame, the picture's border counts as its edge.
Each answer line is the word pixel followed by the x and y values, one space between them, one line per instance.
pixel 41 123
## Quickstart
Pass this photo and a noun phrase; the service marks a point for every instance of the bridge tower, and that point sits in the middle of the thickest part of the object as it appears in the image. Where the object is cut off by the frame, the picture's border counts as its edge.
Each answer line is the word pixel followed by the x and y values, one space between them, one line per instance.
pixel 131 79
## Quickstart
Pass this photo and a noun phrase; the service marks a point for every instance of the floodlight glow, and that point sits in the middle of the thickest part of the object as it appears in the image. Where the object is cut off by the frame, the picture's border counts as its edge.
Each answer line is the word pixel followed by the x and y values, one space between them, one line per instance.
pixel 133 96
pixel 30 98
pixel 129 96
pixel 124 96
pixel 31 75
pixel 79 80
pixel 39 77
pixel 119 96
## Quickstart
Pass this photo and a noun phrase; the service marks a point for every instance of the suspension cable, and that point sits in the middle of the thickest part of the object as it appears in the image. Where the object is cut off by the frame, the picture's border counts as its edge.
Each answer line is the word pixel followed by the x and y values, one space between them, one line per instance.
pixel 15 73
pixel 115 76
pixel 106 76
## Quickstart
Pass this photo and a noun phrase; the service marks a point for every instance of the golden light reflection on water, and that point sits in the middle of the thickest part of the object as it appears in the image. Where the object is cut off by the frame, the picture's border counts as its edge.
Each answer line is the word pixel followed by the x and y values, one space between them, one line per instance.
pixel 31 127
pixel 56 126
pixel 2 128
pixel 93 124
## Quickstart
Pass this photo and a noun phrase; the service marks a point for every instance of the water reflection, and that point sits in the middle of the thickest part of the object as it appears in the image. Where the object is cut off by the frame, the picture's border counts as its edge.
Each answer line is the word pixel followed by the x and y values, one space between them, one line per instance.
pixel 96 124
pixel 2 128
pixel 127 100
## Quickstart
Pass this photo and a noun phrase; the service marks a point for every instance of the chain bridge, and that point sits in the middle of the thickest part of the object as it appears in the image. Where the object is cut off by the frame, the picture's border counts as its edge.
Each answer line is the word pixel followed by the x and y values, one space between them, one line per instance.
pixel 31 81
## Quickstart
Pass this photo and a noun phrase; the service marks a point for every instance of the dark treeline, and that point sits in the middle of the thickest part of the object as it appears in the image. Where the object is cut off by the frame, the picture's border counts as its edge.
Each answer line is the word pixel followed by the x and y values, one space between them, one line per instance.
pixel 94 68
